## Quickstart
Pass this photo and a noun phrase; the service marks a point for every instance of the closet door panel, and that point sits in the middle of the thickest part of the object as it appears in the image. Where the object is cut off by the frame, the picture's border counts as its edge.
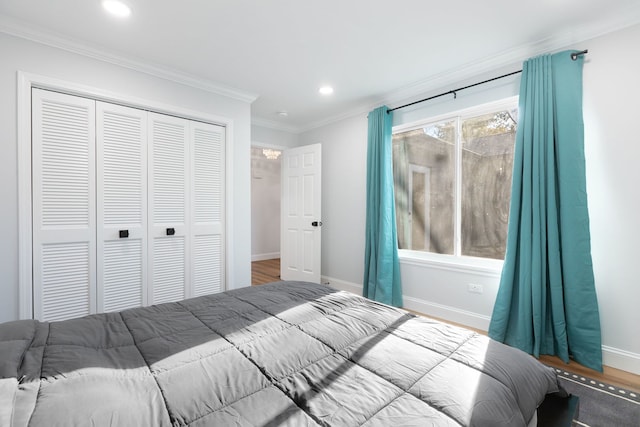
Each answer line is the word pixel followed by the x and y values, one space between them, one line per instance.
pixel 208 201
pixel 208 266
pixel 128 207
pixel 64 241
pixel 169 274
pixel 122 207
pixel 168 203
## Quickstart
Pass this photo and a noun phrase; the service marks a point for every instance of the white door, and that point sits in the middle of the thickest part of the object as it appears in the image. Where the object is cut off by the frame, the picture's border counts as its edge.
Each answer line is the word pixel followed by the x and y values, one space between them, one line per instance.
pixel 128 207
pixel 64 206
pixel 168 201
pixel 121 144
pixel 300 241
pixel 207 208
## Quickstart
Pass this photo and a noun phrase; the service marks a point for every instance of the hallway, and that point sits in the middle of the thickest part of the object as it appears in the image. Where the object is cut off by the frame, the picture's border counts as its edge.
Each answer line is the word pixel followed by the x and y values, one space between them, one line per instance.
pixel 265 271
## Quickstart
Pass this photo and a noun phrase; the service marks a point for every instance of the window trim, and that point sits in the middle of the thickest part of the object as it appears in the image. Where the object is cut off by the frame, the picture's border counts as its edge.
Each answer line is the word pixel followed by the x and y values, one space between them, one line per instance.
pixel 462 263
pixel 456 261
pixel 474 111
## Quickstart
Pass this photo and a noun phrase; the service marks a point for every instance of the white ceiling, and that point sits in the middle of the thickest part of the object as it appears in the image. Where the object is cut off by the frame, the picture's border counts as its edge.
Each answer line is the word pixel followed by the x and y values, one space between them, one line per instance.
pixel 282 51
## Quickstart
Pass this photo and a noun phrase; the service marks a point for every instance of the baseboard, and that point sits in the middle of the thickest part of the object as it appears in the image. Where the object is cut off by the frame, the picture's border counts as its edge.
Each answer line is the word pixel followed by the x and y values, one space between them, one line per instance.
pixel 264 257
pixel 612 357
pixel 621 359
pixel 448 313
pixel 342 285
pixel 444 312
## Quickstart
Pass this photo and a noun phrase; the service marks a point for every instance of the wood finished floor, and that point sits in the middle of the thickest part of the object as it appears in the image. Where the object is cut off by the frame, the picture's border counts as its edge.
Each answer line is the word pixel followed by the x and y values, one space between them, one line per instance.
pixel 265 271
pixel 269 271
pixel 613 376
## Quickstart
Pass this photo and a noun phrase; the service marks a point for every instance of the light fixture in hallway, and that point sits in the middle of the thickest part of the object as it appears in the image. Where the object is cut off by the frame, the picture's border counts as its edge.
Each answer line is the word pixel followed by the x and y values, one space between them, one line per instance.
pixel 271 154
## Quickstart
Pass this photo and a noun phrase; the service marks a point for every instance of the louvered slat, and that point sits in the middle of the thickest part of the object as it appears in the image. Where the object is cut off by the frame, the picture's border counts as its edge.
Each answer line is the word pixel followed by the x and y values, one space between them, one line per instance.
pixel 168 172
pixel 207 210
pixel 122 274
pixel 65 276
pixel 63 165
pixel 207 260
pixel 168 201
pixel 122 199
pixel 208 173
pixel 122 160
pixel 169 270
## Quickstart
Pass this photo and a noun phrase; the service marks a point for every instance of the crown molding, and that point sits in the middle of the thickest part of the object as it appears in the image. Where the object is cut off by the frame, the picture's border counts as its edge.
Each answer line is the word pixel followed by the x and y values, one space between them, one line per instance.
pixel 19 29
pixel 362 110
pixel 511 58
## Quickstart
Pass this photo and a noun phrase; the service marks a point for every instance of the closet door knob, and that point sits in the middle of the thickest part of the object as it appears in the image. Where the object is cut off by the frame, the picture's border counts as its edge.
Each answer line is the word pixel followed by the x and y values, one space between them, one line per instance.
pixel 171 231
pixel 123 234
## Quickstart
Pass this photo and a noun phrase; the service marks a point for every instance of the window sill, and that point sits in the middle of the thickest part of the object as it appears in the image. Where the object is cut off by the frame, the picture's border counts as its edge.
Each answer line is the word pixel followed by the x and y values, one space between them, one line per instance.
pixel 463 264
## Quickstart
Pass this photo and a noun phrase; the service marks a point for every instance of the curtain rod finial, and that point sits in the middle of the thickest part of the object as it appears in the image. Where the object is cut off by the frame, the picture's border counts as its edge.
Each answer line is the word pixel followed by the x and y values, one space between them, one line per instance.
pixel 575 55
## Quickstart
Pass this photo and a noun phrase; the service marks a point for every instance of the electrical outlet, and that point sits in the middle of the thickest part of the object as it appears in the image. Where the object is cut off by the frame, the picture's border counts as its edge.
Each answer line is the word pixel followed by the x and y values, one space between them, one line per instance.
pixel 475 288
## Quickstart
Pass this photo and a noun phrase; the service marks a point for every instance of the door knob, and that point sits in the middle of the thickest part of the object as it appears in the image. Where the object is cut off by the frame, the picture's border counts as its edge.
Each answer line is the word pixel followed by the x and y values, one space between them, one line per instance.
pixel 171 231
pixel 316 224
pixel 123 233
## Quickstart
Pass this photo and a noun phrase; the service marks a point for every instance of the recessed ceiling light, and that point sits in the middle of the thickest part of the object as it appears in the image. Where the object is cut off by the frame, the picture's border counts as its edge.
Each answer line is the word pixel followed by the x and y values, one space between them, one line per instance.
pixel 282 113
pixel 326 90
pixel 116 8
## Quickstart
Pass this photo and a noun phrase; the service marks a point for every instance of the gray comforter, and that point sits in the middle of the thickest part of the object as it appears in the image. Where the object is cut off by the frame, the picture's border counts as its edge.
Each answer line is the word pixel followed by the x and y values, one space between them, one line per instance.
pixel 287 353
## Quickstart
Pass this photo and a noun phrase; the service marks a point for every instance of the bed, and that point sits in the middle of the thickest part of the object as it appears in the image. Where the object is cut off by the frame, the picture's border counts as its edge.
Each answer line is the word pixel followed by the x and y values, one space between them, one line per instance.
pixel 285 353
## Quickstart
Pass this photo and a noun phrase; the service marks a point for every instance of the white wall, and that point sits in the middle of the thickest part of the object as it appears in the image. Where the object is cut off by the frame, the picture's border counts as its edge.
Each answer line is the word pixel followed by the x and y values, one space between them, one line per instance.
pixel 612 154
pixel 344 174
pixel 612 150
pixel 263 136
pixel 21 55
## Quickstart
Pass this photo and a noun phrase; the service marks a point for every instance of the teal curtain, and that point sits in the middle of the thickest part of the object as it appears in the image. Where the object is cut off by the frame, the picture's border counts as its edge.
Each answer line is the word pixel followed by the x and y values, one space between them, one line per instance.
pixel 381 266
pixel 546 302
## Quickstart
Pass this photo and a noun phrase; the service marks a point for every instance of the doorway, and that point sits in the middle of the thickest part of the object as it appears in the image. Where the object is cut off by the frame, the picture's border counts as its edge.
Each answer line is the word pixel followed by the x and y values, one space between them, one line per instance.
pixel 265 213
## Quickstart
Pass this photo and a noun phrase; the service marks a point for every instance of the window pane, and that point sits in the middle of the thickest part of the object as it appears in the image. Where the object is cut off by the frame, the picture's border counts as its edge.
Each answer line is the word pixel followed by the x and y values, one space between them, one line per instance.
pixel 424 187
pixel 487 163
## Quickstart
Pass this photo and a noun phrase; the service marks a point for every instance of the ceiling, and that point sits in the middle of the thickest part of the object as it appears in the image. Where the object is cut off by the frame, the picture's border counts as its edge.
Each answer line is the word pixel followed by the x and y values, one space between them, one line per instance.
pixel 281 51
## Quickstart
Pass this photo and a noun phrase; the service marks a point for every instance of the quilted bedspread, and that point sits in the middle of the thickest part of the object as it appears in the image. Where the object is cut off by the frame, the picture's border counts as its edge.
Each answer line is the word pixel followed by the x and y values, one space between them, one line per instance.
pixel 286 353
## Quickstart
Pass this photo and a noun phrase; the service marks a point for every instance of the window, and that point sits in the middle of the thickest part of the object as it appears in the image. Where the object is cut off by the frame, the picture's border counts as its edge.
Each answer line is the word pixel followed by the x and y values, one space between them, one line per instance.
pixel 452 180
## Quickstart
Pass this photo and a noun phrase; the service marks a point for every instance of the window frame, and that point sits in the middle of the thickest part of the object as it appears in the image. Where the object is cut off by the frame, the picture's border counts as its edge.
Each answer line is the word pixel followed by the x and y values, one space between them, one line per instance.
pixel 456 261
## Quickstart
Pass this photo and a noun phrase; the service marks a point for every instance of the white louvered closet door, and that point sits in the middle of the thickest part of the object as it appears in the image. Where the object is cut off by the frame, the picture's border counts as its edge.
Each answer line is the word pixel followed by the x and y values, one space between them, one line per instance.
pixel 207 207
pixel 121 145
pixel 168 197
pixel 63 181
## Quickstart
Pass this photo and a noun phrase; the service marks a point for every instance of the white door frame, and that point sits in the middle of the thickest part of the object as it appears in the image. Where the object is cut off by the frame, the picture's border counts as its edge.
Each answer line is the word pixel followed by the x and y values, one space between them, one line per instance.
pixel 27 81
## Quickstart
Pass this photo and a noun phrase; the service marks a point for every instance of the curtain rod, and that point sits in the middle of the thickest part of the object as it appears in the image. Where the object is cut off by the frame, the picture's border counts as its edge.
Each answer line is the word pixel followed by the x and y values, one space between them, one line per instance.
pixel 574 56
